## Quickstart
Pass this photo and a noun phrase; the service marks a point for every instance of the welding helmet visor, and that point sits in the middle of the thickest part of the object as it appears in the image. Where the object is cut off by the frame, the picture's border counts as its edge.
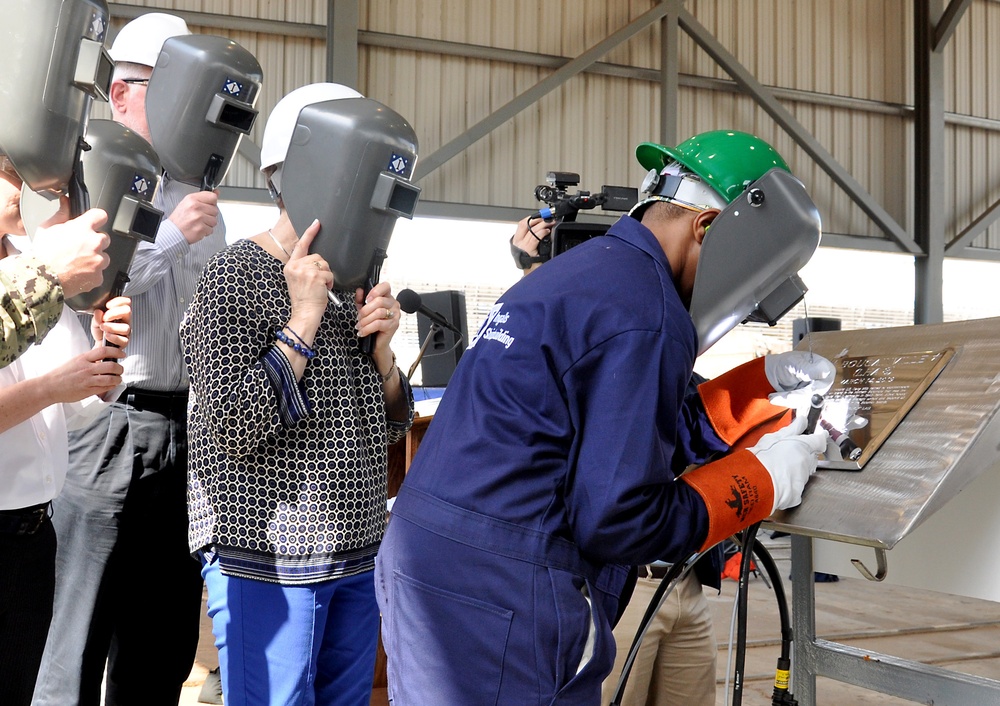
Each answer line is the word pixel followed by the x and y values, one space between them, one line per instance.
pixel 349 163
pixel 57 66
pixel 199 105
pixel 750 258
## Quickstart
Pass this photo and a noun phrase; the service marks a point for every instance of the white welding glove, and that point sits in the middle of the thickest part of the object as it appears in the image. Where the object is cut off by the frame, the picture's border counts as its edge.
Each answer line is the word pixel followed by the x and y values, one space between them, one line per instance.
pixel 796 376
pixel 790 458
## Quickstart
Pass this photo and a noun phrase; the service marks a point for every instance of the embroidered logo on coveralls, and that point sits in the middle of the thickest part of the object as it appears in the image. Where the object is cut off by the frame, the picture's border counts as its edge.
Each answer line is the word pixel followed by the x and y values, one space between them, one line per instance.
pixel 491 331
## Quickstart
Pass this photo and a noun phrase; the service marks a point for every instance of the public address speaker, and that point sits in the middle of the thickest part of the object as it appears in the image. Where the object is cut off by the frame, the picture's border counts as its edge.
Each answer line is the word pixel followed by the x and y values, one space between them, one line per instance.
pixel 445 348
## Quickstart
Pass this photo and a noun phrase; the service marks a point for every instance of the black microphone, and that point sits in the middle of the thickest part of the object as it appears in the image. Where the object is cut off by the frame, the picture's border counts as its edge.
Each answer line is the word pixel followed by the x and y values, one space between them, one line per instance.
pixel 409 301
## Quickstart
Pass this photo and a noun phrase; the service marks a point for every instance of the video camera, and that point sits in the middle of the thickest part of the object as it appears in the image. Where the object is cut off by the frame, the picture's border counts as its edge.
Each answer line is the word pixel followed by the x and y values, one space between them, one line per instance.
pixel 564 207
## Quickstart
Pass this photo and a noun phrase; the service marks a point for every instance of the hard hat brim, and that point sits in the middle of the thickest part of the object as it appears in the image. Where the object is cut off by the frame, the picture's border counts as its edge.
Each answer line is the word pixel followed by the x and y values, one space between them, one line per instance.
pixel 654 156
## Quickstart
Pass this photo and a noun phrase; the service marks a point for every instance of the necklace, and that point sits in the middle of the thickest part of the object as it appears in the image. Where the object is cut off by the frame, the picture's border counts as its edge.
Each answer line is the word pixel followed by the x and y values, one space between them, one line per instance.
pixel 282 249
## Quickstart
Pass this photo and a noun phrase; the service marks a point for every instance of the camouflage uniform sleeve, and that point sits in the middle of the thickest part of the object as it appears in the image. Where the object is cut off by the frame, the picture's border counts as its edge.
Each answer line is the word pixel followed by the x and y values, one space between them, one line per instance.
pixel 31 301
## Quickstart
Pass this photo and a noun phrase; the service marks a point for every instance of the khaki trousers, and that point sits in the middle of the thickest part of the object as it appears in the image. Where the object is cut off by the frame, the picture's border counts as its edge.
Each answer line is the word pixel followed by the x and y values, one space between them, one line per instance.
pixel 676 661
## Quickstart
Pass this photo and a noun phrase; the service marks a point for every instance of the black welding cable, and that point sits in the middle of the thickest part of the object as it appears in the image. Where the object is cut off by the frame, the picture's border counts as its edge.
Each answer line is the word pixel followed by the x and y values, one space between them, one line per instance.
pixel 749 537
pixel 677 572
pixel 784 617
pixel 674 574
pixel 781 695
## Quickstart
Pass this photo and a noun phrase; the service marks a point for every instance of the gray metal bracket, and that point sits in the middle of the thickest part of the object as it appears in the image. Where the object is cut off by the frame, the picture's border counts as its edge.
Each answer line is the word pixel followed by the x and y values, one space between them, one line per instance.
pixel 813 657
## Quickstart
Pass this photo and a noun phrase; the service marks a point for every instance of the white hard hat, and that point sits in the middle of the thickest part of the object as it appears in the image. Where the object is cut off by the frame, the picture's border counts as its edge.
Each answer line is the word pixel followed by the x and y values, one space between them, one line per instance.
pixel 140 41
pixel 283 118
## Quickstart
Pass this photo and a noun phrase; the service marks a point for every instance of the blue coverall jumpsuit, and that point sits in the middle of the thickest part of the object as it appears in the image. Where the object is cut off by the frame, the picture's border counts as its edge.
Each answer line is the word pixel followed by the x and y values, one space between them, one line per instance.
pixel 544 474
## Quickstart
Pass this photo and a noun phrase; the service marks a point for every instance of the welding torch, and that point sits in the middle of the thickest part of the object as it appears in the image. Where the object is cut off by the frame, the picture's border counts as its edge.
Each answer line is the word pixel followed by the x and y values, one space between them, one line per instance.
pixel 848 449
pixel 815 409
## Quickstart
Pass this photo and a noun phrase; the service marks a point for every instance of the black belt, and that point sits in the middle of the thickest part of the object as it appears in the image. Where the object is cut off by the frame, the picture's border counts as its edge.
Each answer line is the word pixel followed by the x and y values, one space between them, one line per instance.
pixel 653 571
pixel 155 400
pixel 26 520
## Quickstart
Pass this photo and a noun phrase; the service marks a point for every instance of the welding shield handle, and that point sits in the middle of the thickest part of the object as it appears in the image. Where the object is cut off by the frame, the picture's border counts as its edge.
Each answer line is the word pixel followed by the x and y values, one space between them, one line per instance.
pixel 367 343
pixel 79 196
pixel 117 289
pixel 210 179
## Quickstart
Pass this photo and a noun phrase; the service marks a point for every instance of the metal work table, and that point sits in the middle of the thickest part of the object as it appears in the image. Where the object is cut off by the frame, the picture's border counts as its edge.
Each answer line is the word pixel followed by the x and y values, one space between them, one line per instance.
pixel 947 442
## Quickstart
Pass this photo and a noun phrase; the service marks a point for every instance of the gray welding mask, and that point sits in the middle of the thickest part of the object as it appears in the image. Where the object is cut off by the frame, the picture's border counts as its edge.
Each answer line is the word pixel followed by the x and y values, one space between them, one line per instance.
pixel 57 65
pixel 349 164
pixel 121 172
pixel 750 257
pixel 199 105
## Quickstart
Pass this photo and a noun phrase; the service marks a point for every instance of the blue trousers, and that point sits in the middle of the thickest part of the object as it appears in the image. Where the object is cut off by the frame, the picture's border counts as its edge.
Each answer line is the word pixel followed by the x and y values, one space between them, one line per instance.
pixel 308 645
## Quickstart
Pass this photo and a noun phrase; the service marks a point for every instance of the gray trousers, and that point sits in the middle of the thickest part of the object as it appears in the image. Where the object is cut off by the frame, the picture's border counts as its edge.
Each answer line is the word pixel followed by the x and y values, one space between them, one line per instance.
pixel 128 592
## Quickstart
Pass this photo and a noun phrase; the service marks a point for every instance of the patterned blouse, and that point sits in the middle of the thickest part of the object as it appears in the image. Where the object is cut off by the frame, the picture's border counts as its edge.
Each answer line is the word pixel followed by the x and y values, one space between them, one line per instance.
pixel 286 478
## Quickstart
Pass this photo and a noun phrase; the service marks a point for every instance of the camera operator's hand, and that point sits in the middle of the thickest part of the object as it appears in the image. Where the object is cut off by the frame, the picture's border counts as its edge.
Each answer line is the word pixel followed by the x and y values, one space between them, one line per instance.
pixel 529 233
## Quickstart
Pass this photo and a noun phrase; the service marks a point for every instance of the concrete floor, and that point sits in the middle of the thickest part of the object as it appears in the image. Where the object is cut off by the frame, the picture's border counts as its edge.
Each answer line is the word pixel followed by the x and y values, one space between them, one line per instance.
pixel 955 633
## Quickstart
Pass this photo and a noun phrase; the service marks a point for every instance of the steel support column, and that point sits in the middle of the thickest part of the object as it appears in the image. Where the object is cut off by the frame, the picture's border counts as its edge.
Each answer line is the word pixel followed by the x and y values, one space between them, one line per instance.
pixel 929 167
pixel 342 42
pixel 781 115
pixel 669 72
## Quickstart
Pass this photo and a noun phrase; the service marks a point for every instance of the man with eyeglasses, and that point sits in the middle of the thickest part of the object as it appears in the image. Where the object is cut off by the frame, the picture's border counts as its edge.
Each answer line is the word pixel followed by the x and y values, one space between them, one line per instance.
pixel 128 592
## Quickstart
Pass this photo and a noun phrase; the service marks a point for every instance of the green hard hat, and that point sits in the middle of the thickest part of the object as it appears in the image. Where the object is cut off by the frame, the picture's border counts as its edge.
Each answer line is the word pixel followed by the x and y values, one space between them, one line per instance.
pixel 725 159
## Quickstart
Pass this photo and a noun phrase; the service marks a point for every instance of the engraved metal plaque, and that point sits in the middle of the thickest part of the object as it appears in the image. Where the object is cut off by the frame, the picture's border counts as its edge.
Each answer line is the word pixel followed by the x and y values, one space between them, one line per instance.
pixel 949 437
pixel 877 390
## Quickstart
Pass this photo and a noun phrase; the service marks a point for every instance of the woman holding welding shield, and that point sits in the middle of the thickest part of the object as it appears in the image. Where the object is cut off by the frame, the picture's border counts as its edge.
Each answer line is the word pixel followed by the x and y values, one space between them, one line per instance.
pixel 290 426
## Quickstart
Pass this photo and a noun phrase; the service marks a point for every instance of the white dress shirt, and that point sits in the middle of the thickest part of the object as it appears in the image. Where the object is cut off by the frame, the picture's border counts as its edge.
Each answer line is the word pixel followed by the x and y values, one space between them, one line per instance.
pixel 162 279
pixel 33 454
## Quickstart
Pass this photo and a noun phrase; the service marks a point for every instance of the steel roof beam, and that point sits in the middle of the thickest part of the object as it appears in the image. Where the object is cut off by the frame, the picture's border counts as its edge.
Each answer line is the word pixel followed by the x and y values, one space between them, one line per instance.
pixel 756 90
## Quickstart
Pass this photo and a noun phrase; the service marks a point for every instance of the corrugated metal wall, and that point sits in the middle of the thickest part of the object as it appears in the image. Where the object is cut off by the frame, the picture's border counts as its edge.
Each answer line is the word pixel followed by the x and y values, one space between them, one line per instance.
pixel 972 60
pixel 592 124
pixel 843 70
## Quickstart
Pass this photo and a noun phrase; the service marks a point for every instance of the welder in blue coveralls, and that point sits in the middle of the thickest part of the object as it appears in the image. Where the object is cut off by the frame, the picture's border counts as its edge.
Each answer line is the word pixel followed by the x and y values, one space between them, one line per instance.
pixel 547 469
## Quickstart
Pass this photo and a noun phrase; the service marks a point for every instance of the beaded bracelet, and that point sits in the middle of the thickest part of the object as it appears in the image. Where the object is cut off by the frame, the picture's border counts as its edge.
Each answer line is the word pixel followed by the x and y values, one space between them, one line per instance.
pixel 301 349
pixel 290 330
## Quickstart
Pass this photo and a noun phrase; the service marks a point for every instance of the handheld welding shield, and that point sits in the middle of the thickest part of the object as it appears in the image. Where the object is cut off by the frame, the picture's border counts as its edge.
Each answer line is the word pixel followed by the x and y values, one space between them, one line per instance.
pixel 350 164
pixel 199 105
pixel 121 172
pixel 58 65
pixel 749 262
